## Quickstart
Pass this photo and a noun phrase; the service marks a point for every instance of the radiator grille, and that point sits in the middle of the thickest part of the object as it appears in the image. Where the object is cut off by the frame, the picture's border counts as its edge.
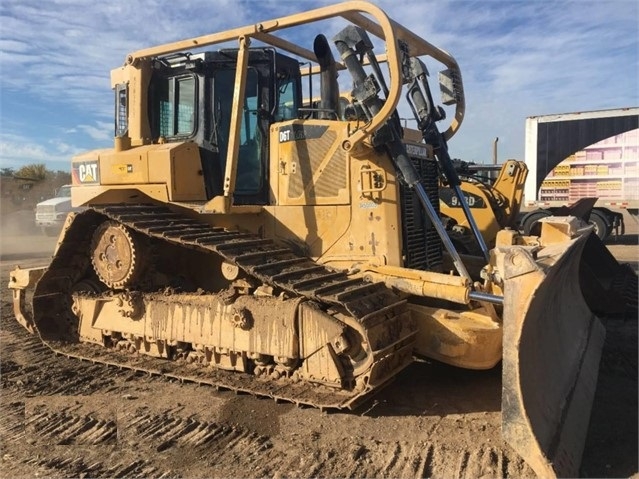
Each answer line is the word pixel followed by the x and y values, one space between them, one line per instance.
pixel 309 155
pixel 333 178
pixel 45 209
pixel 422 247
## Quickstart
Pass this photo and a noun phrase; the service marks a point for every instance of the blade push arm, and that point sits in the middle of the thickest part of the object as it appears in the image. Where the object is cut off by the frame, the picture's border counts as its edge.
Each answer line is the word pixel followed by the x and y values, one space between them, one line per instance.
pixel 427 115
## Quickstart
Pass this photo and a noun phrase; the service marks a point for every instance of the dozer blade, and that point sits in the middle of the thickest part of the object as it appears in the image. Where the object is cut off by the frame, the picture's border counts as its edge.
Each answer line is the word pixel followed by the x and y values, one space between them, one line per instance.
pixel 552 348
pixel 610 288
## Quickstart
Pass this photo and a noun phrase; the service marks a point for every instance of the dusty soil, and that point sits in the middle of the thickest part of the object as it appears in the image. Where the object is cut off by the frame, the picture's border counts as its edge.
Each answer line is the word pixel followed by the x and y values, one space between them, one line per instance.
pixel 65 418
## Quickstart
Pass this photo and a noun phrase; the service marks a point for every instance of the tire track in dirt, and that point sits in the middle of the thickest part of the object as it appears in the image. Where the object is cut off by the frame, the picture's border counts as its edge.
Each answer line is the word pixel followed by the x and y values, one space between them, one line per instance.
pixel 412 460
pixel 230 448
pixel 168 430
pixel 12 420
pixel 233 448
pixel 66 429
pixel 79 467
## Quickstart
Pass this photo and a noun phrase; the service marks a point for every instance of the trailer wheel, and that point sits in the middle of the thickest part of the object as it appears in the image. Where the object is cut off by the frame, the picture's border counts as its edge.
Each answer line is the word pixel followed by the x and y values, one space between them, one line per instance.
pixel 602 230
pixel 531 219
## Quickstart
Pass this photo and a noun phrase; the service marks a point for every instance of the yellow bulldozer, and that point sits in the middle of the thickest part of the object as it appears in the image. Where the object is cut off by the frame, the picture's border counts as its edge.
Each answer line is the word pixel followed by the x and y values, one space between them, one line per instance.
pixel 245 234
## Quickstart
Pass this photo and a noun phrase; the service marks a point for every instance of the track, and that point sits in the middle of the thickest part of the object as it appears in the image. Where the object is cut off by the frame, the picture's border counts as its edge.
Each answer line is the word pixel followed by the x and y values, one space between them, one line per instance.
pixel 381 317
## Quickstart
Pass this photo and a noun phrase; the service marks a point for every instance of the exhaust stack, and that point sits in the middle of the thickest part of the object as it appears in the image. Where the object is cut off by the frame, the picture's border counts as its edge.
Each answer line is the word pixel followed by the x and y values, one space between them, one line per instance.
pixel 329 88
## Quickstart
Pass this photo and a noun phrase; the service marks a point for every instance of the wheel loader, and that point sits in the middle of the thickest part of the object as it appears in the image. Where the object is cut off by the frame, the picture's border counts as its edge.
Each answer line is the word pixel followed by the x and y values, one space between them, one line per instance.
pixel 609 288
pixel 244 232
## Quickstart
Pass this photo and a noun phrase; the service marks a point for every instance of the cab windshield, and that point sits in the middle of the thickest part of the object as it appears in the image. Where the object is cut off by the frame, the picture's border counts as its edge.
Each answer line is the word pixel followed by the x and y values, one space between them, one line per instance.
pixel 64 192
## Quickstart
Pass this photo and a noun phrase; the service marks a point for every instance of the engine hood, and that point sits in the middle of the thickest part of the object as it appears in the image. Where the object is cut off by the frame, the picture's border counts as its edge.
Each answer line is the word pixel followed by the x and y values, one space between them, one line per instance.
pixel 55 202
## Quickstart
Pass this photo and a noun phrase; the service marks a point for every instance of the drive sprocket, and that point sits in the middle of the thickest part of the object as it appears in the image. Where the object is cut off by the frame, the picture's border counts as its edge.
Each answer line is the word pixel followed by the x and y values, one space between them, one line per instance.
pixel 114 256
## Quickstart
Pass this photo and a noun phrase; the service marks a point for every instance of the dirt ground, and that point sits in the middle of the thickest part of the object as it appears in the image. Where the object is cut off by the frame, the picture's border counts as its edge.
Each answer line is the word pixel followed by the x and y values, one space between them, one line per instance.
pixel 65 418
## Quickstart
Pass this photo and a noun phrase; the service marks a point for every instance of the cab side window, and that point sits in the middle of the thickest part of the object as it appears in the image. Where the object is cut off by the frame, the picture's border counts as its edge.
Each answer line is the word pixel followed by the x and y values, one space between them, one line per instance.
pixel 177 104
pixel 286 99
pixel 250 175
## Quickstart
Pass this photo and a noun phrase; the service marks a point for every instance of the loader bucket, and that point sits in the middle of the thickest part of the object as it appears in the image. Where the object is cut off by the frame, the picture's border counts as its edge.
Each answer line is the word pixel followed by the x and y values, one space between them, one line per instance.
pixel 552 348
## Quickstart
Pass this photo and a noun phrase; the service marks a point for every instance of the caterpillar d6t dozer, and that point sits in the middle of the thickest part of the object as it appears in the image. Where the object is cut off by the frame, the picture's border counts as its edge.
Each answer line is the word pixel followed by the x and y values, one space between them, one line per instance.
pixel 244 233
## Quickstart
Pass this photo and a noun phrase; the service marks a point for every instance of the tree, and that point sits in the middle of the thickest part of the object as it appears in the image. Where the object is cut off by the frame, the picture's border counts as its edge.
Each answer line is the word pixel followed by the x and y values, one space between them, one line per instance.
pixel 62 176
pixel 33 172
pixel 7 172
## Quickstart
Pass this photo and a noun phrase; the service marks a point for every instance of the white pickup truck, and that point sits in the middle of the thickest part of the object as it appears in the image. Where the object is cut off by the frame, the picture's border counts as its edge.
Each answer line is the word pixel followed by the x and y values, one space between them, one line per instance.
pixel 51 213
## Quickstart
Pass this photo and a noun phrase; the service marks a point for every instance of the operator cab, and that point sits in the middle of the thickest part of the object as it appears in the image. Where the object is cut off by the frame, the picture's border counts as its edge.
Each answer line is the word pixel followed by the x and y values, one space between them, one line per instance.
pixel 191 99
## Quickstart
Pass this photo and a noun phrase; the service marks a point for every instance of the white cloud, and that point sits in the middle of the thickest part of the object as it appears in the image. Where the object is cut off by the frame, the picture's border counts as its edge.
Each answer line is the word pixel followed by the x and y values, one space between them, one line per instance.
pixel 13 46
pixel 64 148
pixel 102 131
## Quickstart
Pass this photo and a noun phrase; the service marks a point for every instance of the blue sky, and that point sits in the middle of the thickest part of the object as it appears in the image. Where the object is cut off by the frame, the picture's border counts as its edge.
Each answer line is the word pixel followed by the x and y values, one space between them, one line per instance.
pixel 518 58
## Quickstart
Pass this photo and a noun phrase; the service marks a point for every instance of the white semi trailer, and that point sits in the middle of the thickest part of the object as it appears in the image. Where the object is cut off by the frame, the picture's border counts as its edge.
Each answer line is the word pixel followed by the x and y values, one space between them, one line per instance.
pixel 592 156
